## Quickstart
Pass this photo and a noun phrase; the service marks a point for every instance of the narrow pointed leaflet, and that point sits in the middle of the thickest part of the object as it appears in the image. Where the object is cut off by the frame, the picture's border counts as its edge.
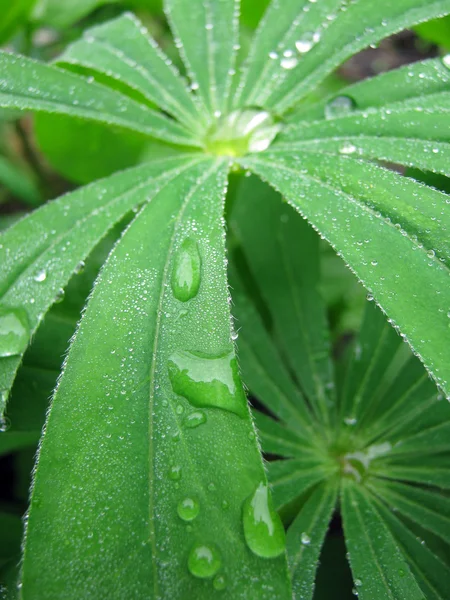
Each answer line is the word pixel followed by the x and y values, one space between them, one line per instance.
pixel 149 434
pixel 40 253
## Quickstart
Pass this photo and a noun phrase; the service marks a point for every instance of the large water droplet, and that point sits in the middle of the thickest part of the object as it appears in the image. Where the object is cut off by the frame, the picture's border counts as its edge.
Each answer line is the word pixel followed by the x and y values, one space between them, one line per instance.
pixel 195 419
pixel 241 132
pixel 204 561
pixel 263 529
pixel 339 107
pixel 208 381
pixel 14 331
pixel 446 61
pixel 289 62
pixel 175 472
pixel 188 509
pixel 186 272
pixel 308 40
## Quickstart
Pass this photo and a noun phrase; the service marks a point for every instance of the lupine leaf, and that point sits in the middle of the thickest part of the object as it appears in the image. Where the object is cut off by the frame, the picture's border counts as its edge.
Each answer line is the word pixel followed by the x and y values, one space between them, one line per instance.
pixel 134 455
pixel 375 248
pixel 14 14
pixel 29 85
pixel 55 14
pixel 123 50
pixel 282 252
pixel 40 253
pixel 428 509
pixel 431 573
pixel 317 41
pixel 413 81
pixel 207 35
pixel 378 565
pixel 305 538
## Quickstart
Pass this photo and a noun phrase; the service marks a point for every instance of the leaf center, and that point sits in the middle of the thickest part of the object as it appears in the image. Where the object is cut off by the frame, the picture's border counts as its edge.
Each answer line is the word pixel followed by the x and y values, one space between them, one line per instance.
pixel 242 132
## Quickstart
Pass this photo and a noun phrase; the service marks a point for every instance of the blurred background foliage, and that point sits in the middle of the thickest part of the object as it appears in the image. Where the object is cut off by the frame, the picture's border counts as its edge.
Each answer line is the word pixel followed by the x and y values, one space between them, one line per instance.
pixel 45 156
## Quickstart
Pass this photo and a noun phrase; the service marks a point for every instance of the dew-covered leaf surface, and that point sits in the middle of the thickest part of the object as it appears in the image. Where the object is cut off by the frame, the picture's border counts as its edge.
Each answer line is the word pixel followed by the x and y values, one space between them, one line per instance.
pixel 40 253
pixel 149 434
pixel 384 441
pixel 377 222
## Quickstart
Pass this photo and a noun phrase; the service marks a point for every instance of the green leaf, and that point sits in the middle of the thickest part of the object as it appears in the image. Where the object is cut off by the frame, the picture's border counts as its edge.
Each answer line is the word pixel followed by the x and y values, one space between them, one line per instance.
pixel 372 354
pixel 436 31
pixel 316 45
pixel 429 509
pixel 14 14
pixel 292 478
pixel 62 15
pixel 413 81
pixel 360 223
pixel 39 254
pixel 430 572
pixel 411 133
pixel 30 85
pixel 306 535
pixel 283 254
pixel 19 182
pixel 123 50
pixel 378 566
pixel 207 35
pixel 140 452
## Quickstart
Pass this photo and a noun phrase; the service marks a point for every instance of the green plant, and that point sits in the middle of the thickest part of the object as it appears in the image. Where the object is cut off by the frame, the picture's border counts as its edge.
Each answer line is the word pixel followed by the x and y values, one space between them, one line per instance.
pixel 149 481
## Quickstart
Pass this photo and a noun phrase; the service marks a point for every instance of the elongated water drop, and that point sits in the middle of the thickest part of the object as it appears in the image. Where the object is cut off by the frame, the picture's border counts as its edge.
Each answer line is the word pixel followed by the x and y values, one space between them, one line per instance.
pixel 204 561
pixel 188 509
pixel 446 61
pixel 195 419
pixel 263 529
pixel 208 381
pixel 339 107
pixel 186 272
pixel 14 331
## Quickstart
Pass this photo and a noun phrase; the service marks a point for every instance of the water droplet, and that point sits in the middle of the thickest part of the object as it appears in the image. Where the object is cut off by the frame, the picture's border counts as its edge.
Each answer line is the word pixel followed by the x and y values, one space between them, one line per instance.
pixel 289 63
pixel 186 272
pixel 305 539
pixel 347 148
pixel 80 267
pixel 41 276
pixel 195 419
pixel 350 421
pixel 308 40
pixel 175 472
pixel 339 107
pixel 241 132
pixel 358 582
pixel 188 509
pixel 204 561
pixel 219 583
pixel 179 409
pixel 208 381
pixel 431 253
pixel 225 504
pixel 212 487
pixel 14 331
pixel 273 55
pixel 263 529
pixel 5 424
pixel 59 296
pixel 446 61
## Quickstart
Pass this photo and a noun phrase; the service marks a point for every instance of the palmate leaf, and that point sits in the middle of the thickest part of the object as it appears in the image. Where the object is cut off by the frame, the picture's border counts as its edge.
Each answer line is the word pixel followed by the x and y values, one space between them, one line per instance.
pixel 384 403
pixel 164 454
pixel 40 253
pixel 130 486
